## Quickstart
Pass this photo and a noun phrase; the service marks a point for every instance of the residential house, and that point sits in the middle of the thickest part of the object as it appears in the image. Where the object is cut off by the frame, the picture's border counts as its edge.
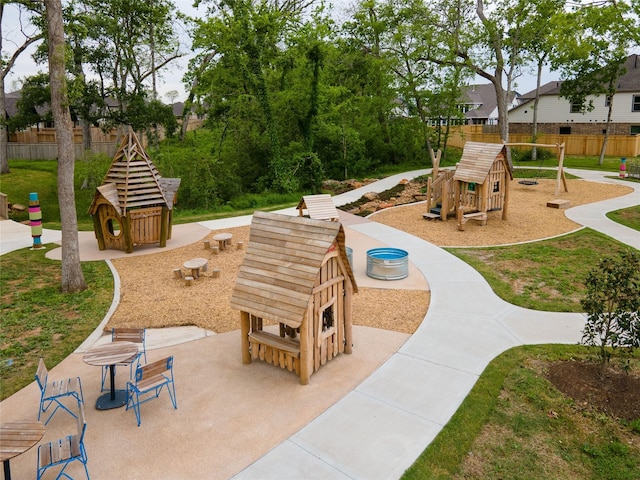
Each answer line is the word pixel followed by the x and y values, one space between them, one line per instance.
pixel 479 104
pixel 557 115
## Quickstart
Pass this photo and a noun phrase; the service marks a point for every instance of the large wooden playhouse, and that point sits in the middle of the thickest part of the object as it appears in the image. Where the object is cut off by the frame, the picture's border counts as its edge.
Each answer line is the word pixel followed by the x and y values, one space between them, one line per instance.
pixel 133 205
pixel 479 184
pixel 295 274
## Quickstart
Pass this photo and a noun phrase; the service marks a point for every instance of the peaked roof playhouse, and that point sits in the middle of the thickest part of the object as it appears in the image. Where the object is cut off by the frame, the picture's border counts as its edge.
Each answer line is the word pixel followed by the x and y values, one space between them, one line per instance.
pixel 295 274
pixel 133 205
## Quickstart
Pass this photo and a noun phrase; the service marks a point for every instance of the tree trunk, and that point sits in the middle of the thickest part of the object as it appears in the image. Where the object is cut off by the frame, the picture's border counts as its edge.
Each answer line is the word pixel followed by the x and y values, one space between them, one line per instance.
pixel 606 131
pixel 4 133
pixel 72 278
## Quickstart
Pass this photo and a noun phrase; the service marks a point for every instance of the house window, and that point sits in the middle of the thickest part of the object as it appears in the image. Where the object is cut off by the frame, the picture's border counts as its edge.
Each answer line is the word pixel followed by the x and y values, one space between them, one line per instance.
pixel 635 130
pixel 607 101
pixel 635 107
pixel 576 107
pixel 565 131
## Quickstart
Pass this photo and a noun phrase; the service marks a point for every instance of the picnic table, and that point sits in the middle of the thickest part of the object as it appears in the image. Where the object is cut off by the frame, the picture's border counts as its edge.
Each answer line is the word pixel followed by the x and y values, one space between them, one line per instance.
pixel 195 264
pixel 223 239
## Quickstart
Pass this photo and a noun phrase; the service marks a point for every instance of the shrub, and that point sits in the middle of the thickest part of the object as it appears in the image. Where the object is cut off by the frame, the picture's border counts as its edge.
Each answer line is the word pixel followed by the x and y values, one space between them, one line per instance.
pixel 612 304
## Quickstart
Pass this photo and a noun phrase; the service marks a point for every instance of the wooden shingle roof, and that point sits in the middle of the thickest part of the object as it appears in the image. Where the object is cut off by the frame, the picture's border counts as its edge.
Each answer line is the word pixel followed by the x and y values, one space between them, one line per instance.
pixel 135 176
pixel 320 207
pixel 281 264
pixel 476 161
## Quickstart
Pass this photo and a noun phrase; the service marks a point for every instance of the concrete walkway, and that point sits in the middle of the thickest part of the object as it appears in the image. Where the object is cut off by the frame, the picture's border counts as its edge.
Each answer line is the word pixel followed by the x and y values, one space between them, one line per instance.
pixel 379 428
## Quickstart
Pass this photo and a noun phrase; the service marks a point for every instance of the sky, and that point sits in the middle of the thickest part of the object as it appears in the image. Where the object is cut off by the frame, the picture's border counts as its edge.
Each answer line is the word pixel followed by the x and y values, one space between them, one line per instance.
pixel 171 80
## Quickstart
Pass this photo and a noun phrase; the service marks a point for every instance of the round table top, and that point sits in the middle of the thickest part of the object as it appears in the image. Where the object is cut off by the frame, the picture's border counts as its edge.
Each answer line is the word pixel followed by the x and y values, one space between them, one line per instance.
pixel 222 236
pixel 111 353
pixel 18 437
pixel 195 263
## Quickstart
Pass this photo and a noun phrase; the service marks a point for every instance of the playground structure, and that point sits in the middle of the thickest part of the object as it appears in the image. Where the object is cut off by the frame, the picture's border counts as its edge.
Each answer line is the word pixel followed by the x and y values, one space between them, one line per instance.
pixel 295 274
pixel 319 207
pixel 479 184
pixel 133 205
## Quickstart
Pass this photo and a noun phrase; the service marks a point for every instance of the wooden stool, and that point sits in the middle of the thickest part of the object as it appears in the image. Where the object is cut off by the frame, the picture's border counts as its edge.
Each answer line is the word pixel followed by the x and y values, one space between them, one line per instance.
pixel 177 273
pixel 215 273
pixel 188 281
pixel 207 244
pixel 239 245
pixel 215 250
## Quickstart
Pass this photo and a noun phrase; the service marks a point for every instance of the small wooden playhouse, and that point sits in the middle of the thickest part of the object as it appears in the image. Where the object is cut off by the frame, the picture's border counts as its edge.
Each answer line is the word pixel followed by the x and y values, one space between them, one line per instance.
pixel 133 205
pixel 295 274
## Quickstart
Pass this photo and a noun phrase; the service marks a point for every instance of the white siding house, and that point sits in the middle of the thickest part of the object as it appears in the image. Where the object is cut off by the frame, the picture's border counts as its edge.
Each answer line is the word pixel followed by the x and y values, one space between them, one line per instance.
pixel 556 114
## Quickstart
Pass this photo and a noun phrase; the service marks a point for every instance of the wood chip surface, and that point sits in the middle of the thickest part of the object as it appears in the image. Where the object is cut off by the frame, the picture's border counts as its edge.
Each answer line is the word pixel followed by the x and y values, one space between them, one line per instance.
pixel 152 298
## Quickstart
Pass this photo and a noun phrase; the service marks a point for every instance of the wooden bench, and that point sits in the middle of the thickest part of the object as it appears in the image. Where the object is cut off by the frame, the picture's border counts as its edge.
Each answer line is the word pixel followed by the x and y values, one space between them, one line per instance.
pixel 275 350
pixel 465 217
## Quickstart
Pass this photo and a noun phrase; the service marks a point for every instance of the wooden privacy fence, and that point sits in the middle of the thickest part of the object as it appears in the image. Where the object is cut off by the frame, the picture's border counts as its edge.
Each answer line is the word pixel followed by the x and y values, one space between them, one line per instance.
pixel 49 151
pixel 617 145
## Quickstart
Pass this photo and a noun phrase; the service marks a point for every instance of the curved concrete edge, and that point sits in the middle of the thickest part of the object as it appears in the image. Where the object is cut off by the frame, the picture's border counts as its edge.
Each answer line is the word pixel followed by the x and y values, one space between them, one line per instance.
pixel 393 415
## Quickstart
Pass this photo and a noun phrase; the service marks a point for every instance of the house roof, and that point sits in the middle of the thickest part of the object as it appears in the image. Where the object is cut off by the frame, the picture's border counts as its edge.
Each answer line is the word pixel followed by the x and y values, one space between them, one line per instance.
pixel 627 82
pixel 477 160
pixel 484 96
pixel 135 179
pixel 282 263
pixel 320 207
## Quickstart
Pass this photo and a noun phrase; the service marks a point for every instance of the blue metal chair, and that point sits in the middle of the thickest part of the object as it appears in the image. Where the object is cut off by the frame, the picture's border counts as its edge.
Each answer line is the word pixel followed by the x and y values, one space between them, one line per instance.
pixel 52 392
pixel 64 451
pixel 135 335
pixel 149 381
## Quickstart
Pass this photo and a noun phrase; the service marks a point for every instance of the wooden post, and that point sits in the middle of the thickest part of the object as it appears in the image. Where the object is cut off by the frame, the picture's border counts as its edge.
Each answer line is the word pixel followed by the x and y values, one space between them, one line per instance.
pixel 305 339
pixel 244 336
pixel 561 170
pixel 164 226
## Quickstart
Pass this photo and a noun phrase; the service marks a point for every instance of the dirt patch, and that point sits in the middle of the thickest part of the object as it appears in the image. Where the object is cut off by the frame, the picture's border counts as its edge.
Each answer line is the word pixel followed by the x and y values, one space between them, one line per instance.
pixel 600 387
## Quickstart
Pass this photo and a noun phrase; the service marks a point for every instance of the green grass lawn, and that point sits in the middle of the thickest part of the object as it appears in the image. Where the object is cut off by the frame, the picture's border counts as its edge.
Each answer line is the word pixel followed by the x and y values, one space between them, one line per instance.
pixel 38 320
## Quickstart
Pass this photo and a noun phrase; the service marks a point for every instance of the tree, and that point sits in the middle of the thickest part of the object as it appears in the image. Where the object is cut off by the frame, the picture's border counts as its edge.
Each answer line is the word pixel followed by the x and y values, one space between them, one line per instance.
pixel 485 41
pixel 591 58
pixel 612 304
pixel 6 64
pixel 72 279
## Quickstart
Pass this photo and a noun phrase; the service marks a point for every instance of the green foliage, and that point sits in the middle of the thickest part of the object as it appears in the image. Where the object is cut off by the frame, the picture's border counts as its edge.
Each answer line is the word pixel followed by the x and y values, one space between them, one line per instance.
pixel 612 304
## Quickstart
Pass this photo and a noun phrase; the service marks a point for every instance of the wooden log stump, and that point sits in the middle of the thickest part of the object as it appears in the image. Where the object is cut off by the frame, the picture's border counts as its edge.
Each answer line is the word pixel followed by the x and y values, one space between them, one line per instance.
pixel 188 281
pixel 558 203
pixel 215 273
pixel 177 273
pixel 239 245
pixel 215 250
pixel 207 244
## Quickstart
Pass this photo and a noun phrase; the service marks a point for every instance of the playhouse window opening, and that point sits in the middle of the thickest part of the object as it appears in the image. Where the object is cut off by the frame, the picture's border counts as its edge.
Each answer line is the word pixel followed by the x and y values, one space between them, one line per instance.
pixel 327 318
pixel 471 187
pixel 496 187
